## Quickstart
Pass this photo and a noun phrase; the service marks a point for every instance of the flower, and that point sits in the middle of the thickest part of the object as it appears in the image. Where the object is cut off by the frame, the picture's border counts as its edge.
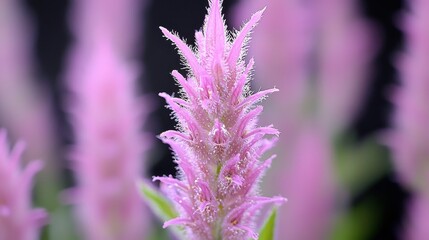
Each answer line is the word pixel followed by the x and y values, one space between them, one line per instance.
pixel 410 136
pixel 116 20
pixel 342 71
pixel 25 109
pixel 17 220
pixel 218 144
pixel 107 116
pixel 109 146
pixel 310 177
pixel 304 49
pixel 417 227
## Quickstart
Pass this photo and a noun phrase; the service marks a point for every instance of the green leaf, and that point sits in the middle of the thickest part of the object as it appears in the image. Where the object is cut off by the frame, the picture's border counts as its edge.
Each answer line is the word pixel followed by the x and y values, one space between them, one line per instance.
pixel 157 202
pixel 160 205
pixel 359 222
pixel 360 163
pixel 268 229
pixel 62 225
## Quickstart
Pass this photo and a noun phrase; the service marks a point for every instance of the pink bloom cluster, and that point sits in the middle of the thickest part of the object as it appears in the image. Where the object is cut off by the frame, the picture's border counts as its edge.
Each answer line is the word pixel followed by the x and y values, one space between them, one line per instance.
pixel 282 44
pixel 25 109
pixel 317 53
pixel 18 221
pixel 115 20
pixel 342 69
pixel 309 177
pixel 107 155
pixel 218 144
pixel 418 212
pixel 107 117
pixel 410 137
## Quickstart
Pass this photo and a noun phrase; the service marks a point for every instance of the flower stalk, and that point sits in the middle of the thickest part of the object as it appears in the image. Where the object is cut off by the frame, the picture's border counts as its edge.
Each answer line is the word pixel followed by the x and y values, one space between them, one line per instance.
pixel 107 115
pixel 217 144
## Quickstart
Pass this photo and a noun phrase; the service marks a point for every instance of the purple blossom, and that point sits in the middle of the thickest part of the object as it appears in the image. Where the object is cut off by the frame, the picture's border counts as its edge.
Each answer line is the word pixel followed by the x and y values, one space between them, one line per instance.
pixel 282 44
pixel 109 147
pixel 304 50
pixel 218 143
pixel 309 177
pixel 342 69
pixel 410 137
pixel 417 224
pixel 107 116
pixel 23 108
pixel 24 105
pixel 116 20
pixel 317 53
pixel 18 221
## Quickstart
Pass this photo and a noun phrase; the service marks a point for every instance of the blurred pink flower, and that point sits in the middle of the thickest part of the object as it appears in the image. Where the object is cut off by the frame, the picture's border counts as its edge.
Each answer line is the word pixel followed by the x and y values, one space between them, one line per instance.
pixel 217 145
pixel 18 221
pixel 344 50
pixel 310 186
pixel 282 45
pixel 107 118
pixel 409 138
pixel 317 53
pixel 109 146
pixel 116 20
pixel 24 105
pixel 417 224
pixel 410 135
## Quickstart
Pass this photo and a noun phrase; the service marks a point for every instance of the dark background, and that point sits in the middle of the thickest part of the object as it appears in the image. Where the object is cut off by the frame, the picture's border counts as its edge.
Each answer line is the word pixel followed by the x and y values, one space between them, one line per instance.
pixel 158 58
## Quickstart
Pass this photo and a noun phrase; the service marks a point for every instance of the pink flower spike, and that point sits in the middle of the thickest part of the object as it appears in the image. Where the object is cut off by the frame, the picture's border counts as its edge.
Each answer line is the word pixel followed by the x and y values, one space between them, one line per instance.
pixel 107 157
pixel 17 220
pixel 311 168
pixel 409 137
pixel 218 144
pixel 417 226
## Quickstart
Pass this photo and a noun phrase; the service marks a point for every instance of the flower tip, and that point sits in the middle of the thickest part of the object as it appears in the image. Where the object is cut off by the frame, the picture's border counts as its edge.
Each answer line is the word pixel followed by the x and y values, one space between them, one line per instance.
pixel 258 14
pixel 160 137
pixel 163 95
pixel 166 33
pixel 32 169
pixel 280 200
pixel 18 150
pixel 155 178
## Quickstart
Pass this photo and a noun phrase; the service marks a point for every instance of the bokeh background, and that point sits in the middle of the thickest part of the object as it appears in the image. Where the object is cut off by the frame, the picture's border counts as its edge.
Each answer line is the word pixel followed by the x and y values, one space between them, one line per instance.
pixel 380 199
